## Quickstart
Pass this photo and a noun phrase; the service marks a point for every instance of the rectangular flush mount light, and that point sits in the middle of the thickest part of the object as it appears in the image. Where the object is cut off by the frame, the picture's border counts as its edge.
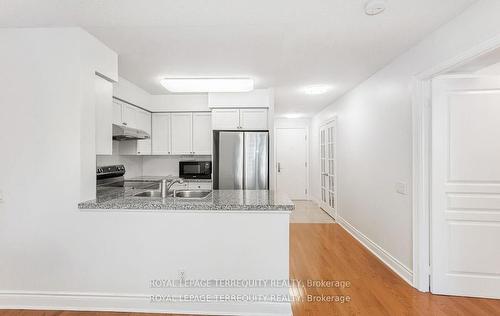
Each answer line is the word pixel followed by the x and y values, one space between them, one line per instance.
pixel 193 85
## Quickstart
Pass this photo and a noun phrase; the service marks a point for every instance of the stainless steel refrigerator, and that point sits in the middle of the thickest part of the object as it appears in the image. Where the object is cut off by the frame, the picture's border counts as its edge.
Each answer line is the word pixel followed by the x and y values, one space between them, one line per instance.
pixel 241 160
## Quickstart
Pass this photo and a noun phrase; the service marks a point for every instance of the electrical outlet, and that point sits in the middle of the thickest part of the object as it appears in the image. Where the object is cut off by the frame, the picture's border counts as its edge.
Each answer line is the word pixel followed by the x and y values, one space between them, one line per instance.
pixel 182 274
pixel 402 188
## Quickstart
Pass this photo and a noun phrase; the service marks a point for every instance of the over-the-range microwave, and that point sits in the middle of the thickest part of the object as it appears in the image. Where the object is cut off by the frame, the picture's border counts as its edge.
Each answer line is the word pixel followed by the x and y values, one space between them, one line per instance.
pixel 195 169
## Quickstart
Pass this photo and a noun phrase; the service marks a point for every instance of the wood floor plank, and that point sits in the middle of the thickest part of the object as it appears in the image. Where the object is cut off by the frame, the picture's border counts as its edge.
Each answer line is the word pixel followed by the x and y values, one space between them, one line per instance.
pixel 328 252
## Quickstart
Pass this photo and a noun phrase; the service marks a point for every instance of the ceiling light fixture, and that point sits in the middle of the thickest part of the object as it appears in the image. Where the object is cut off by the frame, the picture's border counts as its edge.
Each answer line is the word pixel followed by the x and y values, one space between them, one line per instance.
pixel 316 89
pixel 197 85
pixel 374 7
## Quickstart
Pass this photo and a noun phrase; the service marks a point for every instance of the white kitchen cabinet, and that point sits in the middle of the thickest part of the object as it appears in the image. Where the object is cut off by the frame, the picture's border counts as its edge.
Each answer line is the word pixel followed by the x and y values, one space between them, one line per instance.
pixel 202 134
pixel 103 116
pixel 117 112
pixel 129 115
pixel 182 133
pixel 225 119
pixel 180 186
pixel 239 119
pixel 200 185
pixel 160 134
pixel 253 119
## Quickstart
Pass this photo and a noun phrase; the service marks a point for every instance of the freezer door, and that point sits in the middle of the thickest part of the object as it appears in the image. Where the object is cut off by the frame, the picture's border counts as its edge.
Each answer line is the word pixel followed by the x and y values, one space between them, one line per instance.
pixel 230 164
pixel 256 169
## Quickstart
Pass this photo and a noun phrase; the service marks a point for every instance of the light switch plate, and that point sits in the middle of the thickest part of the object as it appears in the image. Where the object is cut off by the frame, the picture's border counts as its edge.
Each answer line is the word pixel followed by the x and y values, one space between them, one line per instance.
pixel 402 188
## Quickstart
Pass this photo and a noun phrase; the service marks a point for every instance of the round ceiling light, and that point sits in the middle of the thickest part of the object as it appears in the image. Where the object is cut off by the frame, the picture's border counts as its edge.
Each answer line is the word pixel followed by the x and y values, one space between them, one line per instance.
pixel 374 7
pixel 316 89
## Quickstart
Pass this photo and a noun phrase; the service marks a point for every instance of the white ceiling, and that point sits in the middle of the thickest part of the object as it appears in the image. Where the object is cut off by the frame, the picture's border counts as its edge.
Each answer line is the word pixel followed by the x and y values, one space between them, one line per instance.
pixel 285 44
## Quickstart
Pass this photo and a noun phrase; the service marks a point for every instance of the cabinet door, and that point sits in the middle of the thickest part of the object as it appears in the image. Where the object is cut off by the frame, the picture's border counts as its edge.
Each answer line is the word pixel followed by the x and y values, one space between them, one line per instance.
pixel 103 116
pixel 117 112
pixel 253 119
pixel 128 116
pixel 144 147
pixel 143 120
pixel 225 119
pixel 202 134
pixel 200 185
pixel 160 134
pixel 182 133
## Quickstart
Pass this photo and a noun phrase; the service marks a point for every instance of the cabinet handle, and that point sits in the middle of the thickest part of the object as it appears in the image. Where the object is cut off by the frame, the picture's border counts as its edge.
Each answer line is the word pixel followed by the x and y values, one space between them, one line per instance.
pixel 124 123
pixel 279 167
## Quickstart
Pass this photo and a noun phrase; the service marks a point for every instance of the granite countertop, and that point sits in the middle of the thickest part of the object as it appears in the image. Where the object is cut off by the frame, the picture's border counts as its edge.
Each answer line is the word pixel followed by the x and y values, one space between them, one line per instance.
pixel 218 200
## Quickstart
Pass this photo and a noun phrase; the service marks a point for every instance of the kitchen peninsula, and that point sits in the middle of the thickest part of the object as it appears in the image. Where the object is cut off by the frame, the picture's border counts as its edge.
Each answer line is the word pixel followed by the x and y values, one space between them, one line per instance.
pixel 230 235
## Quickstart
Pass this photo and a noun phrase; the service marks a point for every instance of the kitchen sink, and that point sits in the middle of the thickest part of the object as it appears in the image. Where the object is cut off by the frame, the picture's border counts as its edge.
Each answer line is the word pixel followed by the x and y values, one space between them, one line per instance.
pixel 182 194
pixel 191 194
pixel 152 194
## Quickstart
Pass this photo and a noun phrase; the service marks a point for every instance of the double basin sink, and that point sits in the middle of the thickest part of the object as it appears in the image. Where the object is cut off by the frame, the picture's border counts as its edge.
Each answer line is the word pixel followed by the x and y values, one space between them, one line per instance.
pixel 183 194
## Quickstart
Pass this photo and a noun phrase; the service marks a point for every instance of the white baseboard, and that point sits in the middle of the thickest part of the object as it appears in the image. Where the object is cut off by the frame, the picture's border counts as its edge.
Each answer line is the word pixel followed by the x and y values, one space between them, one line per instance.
pixel 138 303
pixel 394 264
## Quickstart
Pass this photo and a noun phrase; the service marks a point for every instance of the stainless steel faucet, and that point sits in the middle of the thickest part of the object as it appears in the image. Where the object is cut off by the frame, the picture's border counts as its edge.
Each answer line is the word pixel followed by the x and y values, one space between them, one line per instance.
pixel 166 185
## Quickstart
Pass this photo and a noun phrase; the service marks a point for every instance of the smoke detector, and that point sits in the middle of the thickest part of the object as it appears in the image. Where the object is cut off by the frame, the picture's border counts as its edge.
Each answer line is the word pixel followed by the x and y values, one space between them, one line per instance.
pixel 374 7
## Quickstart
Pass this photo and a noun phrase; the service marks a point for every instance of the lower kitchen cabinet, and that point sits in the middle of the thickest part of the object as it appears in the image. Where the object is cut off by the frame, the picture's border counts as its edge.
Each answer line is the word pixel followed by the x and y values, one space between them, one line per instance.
pixel 192 186
pixel 200 185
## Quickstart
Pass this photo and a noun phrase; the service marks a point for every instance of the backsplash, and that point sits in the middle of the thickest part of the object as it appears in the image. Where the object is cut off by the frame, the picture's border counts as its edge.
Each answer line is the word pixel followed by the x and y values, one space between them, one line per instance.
pixel 137 166
pixel 133 164
pixel 166 165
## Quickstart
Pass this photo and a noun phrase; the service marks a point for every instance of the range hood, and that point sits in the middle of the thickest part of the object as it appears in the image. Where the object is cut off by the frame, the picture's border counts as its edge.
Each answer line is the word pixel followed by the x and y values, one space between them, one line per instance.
pixel 127 133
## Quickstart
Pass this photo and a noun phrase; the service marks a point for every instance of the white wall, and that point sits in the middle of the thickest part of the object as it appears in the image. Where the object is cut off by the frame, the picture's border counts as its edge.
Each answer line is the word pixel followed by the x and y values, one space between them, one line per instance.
pixel 179 102
pixel 490 70
pixel 374 134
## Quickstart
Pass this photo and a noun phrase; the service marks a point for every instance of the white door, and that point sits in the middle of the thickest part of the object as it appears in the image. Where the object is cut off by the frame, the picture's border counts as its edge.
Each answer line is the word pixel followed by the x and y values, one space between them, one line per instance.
pixel 202 134
pixel 253 119
pixel 328 167
pixel 225 119
pixel 465 210
pixel 160 134
pixel 182 133
pixel 291 157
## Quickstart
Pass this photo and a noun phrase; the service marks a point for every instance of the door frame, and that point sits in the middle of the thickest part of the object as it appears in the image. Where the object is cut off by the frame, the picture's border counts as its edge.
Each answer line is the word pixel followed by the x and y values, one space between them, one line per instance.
pixel 306 129
pixel 421 157
pixel 335 165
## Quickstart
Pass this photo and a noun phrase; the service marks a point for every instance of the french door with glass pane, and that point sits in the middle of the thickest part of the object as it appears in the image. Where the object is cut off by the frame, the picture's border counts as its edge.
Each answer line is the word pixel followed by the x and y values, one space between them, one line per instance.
pixel 328 166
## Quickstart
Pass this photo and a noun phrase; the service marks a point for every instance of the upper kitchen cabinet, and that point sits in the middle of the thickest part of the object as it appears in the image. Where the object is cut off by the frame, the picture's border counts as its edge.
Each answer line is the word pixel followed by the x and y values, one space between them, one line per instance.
pixel 202 134
pixel 239 119
pixel 137 118
pixel 259 98
pixel 253 119
pixel 182 133
pixel 225 119
pixel 104 116
pixel 160 134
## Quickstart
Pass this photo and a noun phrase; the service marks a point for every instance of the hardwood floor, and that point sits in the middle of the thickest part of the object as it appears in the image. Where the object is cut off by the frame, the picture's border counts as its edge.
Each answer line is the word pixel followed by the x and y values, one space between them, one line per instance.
pixel 327 252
